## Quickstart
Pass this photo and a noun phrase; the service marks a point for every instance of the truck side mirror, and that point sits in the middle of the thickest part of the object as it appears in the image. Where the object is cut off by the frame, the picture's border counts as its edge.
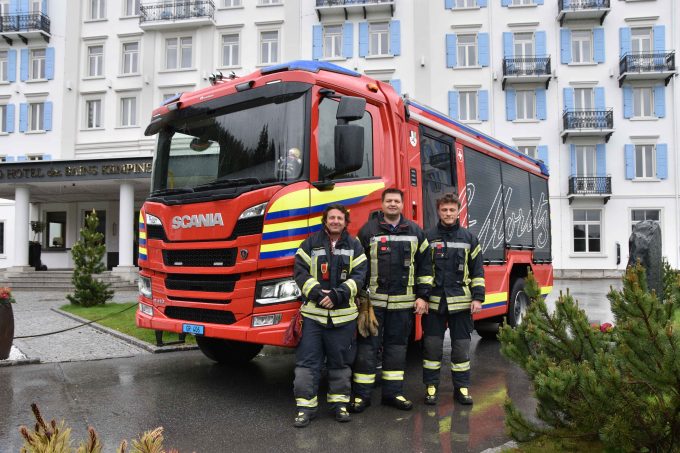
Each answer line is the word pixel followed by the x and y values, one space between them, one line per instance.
pixel 350 109
pixel 349 149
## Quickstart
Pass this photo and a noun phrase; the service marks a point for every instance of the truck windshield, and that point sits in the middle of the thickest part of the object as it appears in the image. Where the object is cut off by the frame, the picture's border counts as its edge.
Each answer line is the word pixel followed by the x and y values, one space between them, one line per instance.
pixel 258 143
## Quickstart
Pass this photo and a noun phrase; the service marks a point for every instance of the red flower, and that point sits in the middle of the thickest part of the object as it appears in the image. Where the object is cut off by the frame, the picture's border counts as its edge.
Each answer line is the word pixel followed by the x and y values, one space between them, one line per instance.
pixel 606 327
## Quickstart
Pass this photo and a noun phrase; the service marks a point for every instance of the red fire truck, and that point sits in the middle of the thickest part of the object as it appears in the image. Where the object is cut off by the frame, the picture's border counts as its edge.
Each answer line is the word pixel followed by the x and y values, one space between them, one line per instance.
pixel 244 168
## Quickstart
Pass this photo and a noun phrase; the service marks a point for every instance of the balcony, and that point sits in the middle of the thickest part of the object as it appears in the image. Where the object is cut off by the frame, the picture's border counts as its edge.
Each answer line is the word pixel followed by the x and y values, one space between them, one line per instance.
pixel 24 26
pixel 590 186
pixel 647 66
pixel 528 69
pixel 177 14
pixel 345 7
pixel 582 10
pixel 587 123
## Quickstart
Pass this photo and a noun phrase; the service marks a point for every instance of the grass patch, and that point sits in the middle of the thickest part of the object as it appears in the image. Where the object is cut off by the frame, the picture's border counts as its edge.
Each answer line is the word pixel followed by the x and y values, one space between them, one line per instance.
pixel 122 322
pixel 545 444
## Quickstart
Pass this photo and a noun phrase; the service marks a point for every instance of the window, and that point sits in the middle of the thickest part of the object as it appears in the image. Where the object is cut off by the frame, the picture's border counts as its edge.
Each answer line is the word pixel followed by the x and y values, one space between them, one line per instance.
pixel 645 161
pixel 522 2
pixel 95 61
pixel 93 111
pixel 178 53
pixel 466 3
pixel 231 3
pixel 326 147
pixel 583 99
pixel 270 2
pixel 97 9
pixel 378 38
pixel 230 50
pixel 332 41
pixel 582 46
pixel 37 64
pixel 4 66
pixel 269 47
pixel 56 229
pixel 2 237
pixel 524 45
pixel 35 116
pixel 467 109
pixel 3 118
pixel 4 7
pixel 641 40
pixel 36 6
pixel 587 230
pixel 131 8
pixel 643 102
pixel 640 215
pixel 130 58
pixel 467 50
pixel 586 160
pixel 531 151
pixel 128 111
pixel 526 105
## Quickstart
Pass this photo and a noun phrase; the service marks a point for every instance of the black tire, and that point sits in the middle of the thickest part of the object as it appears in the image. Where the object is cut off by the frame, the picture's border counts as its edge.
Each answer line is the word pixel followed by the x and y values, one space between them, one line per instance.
pixel 228 352
pixel 487 330
pixel 519 302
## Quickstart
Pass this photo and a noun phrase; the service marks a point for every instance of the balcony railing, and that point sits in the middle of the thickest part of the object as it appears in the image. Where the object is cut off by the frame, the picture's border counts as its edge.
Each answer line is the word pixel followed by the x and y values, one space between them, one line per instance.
pixel 17 23
pixel 590 185
pixel 322 3
pixel 588 119
pixel 526 66
pixel 647 62
pixel 178 10
pixel 582 5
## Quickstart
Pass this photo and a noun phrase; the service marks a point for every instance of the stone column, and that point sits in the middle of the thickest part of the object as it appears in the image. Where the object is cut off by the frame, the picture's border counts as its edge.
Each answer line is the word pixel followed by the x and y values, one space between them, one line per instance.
pixel 126 231
pixel 22 195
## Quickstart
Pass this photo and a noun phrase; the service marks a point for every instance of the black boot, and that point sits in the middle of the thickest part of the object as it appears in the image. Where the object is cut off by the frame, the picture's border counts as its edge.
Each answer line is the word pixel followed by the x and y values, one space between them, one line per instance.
pixel 303 419
pixel 359 404
pixel 342 415
pixel 462 395
pixel 399 401
pixel 431 395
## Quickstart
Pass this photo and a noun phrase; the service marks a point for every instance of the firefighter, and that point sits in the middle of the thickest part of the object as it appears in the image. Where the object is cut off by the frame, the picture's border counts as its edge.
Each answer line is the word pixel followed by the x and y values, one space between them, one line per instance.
pixel 399 279
pixel 457 294
pixel 330 266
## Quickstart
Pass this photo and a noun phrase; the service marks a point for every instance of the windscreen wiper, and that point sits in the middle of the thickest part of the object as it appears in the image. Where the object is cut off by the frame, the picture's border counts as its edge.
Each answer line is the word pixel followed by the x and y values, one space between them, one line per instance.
pixel 171 191
pixel 225 182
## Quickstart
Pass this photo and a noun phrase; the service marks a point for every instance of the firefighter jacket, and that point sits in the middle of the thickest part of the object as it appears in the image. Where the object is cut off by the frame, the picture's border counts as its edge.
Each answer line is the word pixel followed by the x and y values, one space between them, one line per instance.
pixel 458 269
pixel 400 267
pixel 340 269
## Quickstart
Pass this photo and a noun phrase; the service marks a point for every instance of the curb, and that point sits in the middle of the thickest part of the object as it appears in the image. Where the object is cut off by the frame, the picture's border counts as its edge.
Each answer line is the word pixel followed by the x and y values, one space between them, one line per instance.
pixel 505 447
pixel 18 362
pixel 127 338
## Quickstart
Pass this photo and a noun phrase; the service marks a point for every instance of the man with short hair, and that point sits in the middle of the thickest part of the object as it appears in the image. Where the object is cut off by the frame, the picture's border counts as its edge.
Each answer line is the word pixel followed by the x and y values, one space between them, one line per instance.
pixel 458 292
pixel 399 279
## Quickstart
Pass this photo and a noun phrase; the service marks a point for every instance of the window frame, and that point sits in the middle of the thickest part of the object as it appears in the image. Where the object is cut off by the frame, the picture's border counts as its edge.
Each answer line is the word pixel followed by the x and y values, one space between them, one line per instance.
pixel 646 148
pixel 98 61
pixel 336 40
pixel 638 108
pixel 239 3
pixel 522 2
pixel 100 9
pixel 525 149
pixel 371 32
pixel 180 48
pixel 131 5
pixel 87 125
pixel 41 61
pixel 4 66
pixel 134 57
pixel 523 43
pixel 590 45
pixel 632 222
pixel 48 226
pixel 463 50
pixel 459 4
pixel 471 100
pixel 36 116
pixel 270 43
pixel 587 223
pixel 534 117
pixel 3 119
pixel 131 111
pixel 238 46
pixel 649 38
pixel 586 159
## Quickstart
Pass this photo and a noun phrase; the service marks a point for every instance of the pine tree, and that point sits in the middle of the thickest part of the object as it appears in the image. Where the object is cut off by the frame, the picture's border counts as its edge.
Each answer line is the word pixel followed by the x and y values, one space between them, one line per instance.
pixel 87 254
pixel 619 384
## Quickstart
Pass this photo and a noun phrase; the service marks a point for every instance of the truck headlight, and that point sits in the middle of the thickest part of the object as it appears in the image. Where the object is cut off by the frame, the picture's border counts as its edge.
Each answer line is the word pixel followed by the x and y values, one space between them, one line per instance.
pixel 255 211
pixel 144 285
pixel 276 291
pixel 153 220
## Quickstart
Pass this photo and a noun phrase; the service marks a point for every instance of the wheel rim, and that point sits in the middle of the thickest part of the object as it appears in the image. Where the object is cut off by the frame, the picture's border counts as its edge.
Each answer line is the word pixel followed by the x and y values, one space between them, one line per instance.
pixel 520 307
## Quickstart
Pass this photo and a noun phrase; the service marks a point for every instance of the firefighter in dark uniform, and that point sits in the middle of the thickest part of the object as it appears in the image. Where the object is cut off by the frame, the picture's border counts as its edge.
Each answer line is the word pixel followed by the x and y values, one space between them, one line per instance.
pixel 399 279
pixel 330 267
pixel 458 291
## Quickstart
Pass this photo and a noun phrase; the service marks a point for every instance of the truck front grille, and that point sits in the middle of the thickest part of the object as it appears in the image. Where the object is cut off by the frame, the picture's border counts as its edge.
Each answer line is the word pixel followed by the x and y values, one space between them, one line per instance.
pixel 155 232
pixel 200 315
pixel 200 257
pixel 245 227
pixel 207 283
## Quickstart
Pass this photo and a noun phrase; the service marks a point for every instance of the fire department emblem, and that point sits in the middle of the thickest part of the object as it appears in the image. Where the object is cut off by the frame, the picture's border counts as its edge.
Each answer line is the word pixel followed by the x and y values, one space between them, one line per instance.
pixel 244 254
pixel 460 155
pixel 413 139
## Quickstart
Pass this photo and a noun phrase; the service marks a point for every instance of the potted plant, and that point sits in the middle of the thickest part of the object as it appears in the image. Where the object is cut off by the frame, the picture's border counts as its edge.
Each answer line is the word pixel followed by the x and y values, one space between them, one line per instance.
pixel 35 247
pixel 6 322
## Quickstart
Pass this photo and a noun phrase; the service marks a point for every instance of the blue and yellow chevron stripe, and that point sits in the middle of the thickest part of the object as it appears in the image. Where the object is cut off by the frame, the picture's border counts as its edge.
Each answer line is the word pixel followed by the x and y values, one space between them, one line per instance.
pixel 142 238
pixel 495 300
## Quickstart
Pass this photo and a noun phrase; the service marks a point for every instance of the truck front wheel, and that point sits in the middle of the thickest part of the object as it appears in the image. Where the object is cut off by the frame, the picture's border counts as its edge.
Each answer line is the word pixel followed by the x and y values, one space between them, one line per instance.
pixel 519 302
pixel 228 351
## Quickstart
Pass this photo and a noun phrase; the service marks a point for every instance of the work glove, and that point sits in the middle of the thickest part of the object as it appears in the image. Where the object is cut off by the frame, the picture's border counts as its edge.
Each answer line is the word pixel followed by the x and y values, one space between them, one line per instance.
pixel 367 324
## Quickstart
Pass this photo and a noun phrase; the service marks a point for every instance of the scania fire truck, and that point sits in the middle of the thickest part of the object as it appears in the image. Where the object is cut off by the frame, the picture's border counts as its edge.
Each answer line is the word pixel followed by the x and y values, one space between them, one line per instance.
pixel 244 168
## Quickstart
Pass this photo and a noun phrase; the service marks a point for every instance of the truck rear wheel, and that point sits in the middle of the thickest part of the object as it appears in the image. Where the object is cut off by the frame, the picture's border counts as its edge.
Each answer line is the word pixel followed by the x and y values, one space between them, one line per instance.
pixel 519 302
pixel 228 351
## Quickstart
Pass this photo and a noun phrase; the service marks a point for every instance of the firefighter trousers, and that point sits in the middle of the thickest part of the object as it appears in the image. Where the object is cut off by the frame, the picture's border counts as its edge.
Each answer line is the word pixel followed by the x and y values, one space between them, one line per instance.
pixel 394 331
pixel 460 327
pixel 337 345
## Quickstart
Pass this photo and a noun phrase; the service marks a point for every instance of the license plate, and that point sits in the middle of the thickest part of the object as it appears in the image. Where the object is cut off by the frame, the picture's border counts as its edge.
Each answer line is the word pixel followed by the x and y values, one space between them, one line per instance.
pixel 193 329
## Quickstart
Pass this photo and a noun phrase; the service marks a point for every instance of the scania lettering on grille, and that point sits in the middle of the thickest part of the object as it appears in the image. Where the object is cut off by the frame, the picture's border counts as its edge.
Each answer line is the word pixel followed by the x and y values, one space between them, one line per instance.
pixel 197 220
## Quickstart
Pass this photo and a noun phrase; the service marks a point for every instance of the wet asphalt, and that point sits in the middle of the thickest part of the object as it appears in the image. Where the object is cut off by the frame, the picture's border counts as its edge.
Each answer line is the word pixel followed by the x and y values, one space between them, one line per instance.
pixel 205 407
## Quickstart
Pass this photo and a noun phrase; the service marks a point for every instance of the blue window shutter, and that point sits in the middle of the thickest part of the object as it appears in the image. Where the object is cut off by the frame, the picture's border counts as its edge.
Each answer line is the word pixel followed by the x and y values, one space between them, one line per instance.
pixel 348 40
pixel 13 6
pixel 505 2
pixel 539 38
pixel 572 152
pixel 448 4
pixel 44 7
pixel 483 101
pixel 395 37
pixel 49 63
pixel 482 3
pixel 363 39
pixel 510 107
pixel 12 65
pixel 47 118
pixel 317 42
pixel 659 101
pixel 662 161
pixel 451 56
pixel 23 117
pixel 566 4
pixel 599 98
pixel 659 38
pixel 598 45
pixel 601 160
pixel 24 65
pixel 543 153
pixel 483 48
pixel 539 2
pixel 507 44
pixel 47 157
pixel 9 159
pixel 453 104
pixel 9 120
pixel 624 40
pixel 565 46
pixel 23 4
pixel 629 154
pixel 396 84
pixel 21 158
pixel 568 99
pixel 627 101
pixel 541 108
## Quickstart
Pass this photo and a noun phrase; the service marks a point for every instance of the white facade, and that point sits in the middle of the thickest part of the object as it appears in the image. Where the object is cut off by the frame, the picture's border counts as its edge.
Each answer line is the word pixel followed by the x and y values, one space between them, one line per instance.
pixel 112 67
